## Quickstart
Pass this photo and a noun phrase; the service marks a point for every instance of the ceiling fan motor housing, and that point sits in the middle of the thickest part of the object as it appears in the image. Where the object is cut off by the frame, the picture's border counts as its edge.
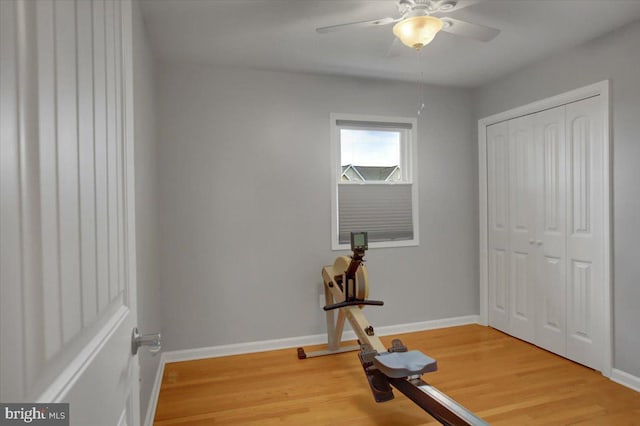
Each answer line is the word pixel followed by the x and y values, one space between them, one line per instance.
pixel 424 7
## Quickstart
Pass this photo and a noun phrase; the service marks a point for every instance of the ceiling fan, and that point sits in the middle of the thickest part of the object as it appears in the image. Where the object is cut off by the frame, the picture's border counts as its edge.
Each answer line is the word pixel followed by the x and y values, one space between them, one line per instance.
pixel 420 21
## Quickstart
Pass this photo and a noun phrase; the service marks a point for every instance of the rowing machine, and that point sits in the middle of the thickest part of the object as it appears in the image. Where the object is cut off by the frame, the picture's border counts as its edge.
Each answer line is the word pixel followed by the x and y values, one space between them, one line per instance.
pixel 346 287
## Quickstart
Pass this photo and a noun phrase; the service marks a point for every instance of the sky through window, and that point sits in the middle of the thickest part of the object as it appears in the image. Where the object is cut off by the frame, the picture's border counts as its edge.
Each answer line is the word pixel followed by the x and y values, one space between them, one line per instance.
pixel 369 147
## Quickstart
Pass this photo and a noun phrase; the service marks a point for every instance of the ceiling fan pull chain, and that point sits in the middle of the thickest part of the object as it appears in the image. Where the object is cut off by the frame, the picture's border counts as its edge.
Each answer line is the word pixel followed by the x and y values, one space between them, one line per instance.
pixel 420 81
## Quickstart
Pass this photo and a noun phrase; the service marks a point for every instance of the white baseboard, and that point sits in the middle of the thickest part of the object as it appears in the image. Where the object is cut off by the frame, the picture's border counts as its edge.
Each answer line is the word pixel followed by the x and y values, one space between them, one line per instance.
pixel 155 393
pixel 426 325
pixel 626 379
pixel 291 342
pixel 316 339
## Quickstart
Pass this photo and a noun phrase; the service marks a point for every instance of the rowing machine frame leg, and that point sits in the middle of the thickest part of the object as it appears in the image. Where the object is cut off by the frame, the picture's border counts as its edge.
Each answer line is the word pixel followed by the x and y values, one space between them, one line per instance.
pixel 335 325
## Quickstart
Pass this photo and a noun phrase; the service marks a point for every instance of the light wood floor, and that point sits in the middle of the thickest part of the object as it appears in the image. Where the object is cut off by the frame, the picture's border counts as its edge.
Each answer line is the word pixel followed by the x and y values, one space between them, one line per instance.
pixel 502 379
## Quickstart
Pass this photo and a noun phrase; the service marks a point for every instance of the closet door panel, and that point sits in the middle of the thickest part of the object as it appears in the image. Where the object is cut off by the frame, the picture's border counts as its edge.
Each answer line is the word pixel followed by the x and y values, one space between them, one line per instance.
pixel 551 230
pixel 522 227
pixel 585 211
pixel 498 217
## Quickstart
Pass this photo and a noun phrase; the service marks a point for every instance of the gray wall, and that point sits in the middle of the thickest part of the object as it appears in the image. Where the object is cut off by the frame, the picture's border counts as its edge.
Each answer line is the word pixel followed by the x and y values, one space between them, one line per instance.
pixel 148 283
pixel 244 179
pixel 615 56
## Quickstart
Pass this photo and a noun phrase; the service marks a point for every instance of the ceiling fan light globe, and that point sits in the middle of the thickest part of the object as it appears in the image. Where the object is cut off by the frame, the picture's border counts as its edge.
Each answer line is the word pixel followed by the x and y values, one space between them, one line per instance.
pixel 417 31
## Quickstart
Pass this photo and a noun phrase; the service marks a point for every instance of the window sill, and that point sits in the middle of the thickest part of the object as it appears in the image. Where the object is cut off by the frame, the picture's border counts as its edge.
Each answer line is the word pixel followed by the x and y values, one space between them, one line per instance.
pixel 378 244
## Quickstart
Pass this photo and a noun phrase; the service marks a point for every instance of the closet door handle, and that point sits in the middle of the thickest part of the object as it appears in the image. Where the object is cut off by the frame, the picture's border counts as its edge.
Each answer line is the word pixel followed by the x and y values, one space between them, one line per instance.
pixel 539 242
pixel 531 241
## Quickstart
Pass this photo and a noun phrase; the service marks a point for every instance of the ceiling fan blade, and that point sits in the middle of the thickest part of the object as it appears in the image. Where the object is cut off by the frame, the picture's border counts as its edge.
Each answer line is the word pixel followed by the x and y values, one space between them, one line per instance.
pixel 467 29
pixel 360 24
pixel 395 49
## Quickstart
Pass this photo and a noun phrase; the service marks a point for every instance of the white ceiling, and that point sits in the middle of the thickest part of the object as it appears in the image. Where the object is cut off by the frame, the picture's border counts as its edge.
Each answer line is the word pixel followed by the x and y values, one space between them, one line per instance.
pixel 280 35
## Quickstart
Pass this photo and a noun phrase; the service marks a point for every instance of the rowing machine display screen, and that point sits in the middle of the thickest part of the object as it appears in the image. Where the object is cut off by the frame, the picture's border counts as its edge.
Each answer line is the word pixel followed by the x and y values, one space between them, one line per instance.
pixel 359 241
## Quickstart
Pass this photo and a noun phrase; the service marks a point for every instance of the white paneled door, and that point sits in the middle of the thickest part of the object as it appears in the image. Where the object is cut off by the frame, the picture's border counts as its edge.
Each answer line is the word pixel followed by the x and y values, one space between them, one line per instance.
pixel 498 224
pixel 68 303
pixel 585 210
pixel 546 210
pixel 522 253
pixel 550 239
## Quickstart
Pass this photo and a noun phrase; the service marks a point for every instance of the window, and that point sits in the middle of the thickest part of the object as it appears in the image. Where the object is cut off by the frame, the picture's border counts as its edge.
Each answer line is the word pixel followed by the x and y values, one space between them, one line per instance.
pixel 374 180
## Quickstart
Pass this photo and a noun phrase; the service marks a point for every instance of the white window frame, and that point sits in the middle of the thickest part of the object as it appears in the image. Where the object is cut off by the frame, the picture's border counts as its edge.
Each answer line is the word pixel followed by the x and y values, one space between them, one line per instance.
pixel 408 159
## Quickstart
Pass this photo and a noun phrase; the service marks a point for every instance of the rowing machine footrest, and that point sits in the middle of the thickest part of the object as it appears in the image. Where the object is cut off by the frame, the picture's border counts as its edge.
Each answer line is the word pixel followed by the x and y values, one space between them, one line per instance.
pixel 404 364
pixel 380 387
pixel 378 382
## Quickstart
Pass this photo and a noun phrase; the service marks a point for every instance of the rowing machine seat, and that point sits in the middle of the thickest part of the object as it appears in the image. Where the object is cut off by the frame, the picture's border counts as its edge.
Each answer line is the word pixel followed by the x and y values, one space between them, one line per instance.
pixel 404 364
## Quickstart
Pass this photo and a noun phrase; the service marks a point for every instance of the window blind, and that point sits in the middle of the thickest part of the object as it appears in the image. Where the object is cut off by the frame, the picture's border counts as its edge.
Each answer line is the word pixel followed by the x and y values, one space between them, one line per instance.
pixel 384 211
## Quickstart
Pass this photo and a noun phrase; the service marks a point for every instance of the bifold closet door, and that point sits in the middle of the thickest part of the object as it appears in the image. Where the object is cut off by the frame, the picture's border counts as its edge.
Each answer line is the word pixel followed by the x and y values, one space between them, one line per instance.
pixel 526 169
pixel 585 238
pixel 498 224
pixel 518 275
pixel 550 240
pixel 522 227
